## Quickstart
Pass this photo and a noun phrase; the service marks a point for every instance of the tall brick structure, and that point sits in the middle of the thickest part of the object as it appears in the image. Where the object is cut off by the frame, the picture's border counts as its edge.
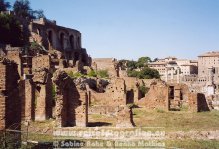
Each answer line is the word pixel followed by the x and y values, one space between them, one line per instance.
pixel 71 102
pixel 42 79
pixel 10 105
pixel 26 91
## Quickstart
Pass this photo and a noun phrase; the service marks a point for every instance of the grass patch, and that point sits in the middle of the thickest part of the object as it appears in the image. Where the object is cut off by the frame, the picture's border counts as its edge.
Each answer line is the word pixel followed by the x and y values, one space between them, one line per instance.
pixel 176 120
pixel 92 73
pixel 103 73
pixel 160 110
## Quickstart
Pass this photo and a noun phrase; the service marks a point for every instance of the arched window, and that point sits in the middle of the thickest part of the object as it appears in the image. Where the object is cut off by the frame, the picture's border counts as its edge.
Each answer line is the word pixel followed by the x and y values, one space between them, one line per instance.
pixel 84 58
pixel 76 56
pixel 79 42
pixel 50 37
pixel 71 39
pixel 38 31
pixel 62 40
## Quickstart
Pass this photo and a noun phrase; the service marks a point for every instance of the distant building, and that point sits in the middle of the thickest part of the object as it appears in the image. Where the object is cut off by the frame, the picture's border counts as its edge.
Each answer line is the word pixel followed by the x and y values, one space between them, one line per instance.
pixel 173 69
pixel 208 60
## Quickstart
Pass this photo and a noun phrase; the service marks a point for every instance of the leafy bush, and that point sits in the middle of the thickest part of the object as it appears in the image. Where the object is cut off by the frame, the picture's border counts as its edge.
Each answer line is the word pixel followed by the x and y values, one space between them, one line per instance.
pixel 132 73
pixel 148 73
pixel 75 75
pixel 131 65
pixel 145 73
pixel 92 73
pixel 53 91
pixel 143 89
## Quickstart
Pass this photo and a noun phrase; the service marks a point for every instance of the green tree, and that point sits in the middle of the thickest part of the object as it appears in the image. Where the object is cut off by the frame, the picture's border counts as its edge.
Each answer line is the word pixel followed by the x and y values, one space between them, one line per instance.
pixel 143 61
pixel 131 65
pixel 132 73
pixel 155 59
pixel 22 9
pixel 38 14
pixel 148 73
pixel 4 5
pixel 10 28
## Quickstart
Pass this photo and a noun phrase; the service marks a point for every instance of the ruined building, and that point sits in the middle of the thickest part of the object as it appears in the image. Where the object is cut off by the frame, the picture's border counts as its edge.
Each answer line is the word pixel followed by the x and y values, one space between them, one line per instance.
pixel 55 48
pixel 173 97
pixel 64 42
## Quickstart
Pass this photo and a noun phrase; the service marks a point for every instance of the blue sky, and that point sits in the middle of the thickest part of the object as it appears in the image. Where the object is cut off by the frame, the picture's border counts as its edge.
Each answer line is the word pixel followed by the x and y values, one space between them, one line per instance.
pixel 134 28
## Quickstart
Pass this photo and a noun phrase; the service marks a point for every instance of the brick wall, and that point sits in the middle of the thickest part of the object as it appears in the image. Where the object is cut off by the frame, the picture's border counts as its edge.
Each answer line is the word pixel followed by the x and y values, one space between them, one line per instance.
pixel 10 111
pixel 42 61
pixel 157 97
pixel 27 95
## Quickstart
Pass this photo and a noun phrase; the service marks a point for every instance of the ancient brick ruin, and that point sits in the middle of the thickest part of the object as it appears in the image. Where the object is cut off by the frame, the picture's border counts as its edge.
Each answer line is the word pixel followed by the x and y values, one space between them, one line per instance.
pixel 124 117
pixel 173 97
pixel 57 48
pixel 10 103
pixel 71 102
pixel 37 85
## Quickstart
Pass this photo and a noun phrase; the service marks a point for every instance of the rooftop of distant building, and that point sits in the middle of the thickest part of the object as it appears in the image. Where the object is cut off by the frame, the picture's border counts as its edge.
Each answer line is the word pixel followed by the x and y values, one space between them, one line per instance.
pixel 210 54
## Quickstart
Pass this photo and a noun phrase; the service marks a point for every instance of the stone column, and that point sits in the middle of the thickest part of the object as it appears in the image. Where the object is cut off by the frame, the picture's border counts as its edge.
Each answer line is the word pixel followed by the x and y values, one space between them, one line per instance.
pixel 40 113
pixel 26 93
pixel 178 76
pixel 166 74
pixel 2 97
pixel 172 69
